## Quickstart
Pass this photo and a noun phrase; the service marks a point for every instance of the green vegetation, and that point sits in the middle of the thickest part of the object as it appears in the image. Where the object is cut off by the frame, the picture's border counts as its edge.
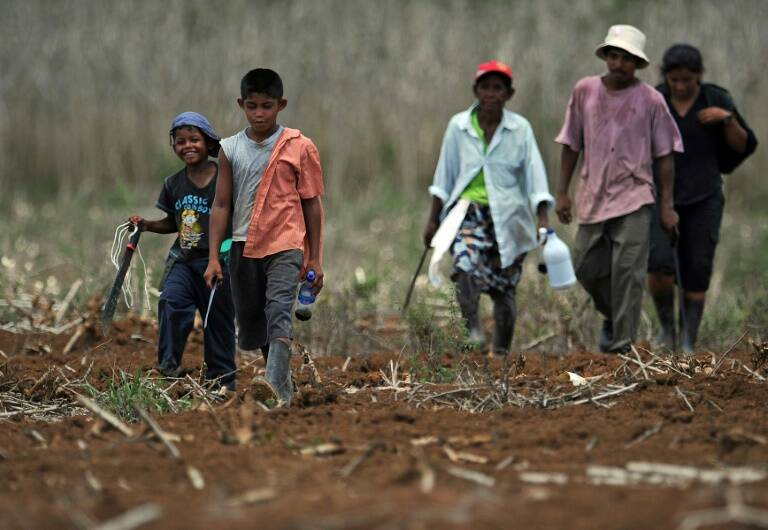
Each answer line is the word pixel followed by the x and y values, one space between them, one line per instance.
pixel 434 337
pixel 124 390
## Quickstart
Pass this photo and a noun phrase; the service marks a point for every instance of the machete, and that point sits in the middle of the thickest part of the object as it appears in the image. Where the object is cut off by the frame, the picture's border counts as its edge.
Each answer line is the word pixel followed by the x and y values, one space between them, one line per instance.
pixel 114 294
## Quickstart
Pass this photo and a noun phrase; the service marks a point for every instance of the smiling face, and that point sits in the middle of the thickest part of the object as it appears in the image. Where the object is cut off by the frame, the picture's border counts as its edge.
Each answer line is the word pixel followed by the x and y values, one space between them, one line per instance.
pixel 261 112
pixel 190 145
pixel 682 83
pixel 621 67
pixel 493 92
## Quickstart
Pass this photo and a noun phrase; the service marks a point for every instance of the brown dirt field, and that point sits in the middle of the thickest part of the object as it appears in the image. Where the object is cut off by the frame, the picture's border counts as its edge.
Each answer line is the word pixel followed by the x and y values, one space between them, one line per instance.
pixel 84 473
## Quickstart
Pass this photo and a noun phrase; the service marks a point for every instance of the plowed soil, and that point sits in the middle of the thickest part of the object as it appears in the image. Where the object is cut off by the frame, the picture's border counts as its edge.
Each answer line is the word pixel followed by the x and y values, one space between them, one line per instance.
pixel 382 470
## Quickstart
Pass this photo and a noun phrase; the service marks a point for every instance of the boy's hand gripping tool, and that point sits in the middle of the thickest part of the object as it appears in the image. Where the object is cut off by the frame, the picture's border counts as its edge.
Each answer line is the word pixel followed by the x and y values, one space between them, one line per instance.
pixel 226 245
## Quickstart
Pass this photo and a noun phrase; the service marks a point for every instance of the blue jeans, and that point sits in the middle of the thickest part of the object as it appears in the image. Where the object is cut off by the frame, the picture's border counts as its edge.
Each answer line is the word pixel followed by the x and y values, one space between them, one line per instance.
pixel 184 293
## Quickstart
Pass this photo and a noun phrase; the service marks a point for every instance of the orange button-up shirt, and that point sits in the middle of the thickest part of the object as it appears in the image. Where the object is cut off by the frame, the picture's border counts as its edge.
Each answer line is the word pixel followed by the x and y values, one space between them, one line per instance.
pixel 293 173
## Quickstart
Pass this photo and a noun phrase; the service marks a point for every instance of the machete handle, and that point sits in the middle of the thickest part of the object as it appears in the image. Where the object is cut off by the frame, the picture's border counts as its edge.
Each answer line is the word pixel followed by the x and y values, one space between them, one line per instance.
pixel 134 239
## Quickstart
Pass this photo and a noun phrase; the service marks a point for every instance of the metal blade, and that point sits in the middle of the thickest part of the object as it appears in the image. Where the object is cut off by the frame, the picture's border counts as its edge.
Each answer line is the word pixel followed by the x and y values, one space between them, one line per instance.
pixel 210 302
pixel 114 294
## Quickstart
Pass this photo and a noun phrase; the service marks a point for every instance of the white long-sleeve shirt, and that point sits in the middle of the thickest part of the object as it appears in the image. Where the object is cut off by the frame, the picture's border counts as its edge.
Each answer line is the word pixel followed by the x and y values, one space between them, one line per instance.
pixel 515 177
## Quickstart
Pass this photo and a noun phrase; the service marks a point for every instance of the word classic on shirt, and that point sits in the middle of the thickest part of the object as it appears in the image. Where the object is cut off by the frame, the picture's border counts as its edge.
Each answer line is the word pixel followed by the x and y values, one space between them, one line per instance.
pixel 193 202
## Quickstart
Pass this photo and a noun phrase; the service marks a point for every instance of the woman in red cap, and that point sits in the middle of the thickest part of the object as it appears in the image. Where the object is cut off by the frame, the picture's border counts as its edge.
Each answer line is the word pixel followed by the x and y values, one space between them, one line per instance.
pixel 490 167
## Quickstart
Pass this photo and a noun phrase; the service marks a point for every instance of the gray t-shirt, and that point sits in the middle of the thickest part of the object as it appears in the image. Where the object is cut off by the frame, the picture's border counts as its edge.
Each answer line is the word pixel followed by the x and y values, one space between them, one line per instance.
pixel 248 159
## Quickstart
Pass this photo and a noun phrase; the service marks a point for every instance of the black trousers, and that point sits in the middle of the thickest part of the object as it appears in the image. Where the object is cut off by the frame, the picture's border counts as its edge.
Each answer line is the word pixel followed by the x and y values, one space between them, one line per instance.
pixel 699 235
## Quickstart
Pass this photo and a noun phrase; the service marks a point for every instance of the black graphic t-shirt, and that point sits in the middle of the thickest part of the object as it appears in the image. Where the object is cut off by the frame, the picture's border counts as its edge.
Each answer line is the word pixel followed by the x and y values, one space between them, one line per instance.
pixel 191 207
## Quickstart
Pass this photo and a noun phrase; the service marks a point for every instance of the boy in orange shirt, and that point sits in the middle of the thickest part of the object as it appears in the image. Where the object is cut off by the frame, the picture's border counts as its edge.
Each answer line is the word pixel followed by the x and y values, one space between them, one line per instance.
pixel 269 186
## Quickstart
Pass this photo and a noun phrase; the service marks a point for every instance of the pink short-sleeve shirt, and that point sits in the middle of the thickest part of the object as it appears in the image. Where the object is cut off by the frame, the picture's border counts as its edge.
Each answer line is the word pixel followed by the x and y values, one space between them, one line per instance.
pixel 621 133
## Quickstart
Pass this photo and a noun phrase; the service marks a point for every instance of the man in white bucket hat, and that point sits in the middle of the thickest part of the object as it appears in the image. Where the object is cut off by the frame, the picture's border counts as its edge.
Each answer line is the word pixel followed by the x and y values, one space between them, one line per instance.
pixel 627 38
pixel 627 134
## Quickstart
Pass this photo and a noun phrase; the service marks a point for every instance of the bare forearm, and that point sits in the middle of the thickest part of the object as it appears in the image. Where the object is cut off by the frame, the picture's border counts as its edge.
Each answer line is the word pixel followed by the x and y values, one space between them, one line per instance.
pixel 217 229
pixel 735 135
pixel 313 220
pixel 665 176
pixel 222 208
pixel 161 226
pixel 433 221
pixel 542 209
pixel 568 160
pixel 435 209
pixel 542 215
pixel 665 181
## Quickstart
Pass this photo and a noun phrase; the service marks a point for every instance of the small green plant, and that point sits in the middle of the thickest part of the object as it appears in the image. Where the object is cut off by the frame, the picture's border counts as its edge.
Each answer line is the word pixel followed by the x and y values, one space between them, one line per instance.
pixel 429 371
pixel 125 390
pixel 432 336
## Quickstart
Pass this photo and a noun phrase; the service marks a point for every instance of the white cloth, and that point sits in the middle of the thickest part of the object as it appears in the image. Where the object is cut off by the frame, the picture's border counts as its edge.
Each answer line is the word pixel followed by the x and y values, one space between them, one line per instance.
pixel 443 239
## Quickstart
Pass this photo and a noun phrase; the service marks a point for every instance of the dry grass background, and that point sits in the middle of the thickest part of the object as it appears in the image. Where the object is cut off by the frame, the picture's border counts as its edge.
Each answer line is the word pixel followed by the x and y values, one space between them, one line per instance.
pixel 88 88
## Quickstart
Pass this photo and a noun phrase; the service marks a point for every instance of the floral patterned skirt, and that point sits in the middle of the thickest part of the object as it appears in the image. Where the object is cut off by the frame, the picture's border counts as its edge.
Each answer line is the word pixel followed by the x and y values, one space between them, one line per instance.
pixel 476 252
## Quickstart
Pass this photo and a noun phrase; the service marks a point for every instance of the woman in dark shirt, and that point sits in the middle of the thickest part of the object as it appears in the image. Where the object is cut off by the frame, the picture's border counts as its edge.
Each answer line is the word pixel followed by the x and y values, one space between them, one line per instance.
pixel 709 123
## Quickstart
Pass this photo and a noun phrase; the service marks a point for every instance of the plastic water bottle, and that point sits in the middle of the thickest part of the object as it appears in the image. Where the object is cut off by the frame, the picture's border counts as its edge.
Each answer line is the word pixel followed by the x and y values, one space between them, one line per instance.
pixel 557 259
pixel 305 302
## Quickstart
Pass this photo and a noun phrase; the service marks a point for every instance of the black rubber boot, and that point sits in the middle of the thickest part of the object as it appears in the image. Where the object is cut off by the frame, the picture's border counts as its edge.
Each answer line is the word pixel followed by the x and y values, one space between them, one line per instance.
pixel 606 337
pixel 265 352
pixel 504 316
pixel 694 309
pixel 665 309
pixel 468 297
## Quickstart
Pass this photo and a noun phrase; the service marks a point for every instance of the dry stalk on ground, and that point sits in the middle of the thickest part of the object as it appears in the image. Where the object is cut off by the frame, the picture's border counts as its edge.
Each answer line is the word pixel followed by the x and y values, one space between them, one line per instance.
pixel 478 389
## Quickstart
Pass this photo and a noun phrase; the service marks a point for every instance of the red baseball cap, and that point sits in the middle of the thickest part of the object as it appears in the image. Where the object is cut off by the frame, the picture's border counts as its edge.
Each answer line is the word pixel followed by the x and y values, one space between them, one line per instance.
pixel 493 66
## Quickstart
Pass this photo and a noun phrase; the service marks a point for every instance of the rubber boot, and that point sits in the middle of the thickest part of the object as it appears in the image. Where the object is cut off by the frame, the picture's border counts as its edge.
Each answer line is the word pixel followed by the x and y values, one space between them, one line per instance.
pixel 276 384
pixel 694 309
pixel 504 316
pixel 606 337
pixel 265 352
pixel 468 297
pixel 665 309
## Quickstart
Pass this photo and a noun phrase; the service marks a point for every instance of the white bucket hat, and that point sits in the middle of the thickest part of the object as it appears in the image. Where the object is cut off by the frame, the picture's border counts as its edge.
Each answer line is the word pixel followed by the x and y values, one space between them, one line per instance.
pixel 627 38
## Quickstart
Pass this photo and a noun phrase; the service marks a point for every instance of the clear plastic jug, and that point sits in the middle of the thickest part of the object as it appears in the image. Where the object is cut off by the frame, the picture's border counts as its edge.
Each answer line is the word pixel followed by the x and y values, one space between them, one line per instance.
pixel 557 259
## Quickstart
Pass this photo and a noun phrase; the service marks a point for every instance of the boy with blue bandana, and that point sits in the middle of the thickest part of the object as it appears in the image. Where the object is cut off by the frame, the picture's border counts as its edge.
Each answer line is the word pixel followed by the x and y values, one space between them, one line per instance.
pixel 187 198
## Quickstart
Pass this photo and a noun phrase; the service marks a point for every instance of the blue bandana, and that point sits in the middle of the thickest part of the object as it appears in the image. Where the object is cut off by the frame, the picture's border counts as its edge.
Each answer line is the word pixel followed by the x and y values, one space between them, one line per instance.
pixel 201 122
